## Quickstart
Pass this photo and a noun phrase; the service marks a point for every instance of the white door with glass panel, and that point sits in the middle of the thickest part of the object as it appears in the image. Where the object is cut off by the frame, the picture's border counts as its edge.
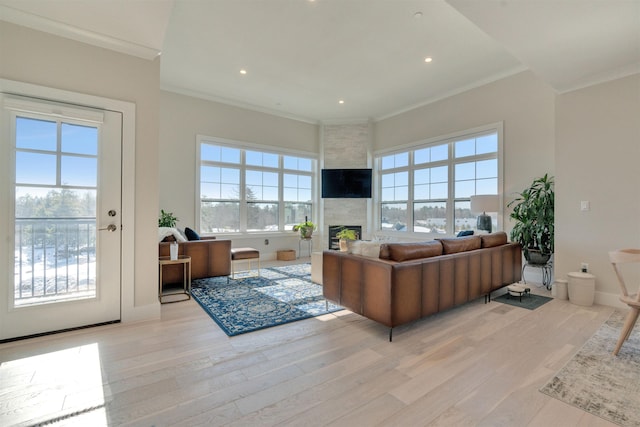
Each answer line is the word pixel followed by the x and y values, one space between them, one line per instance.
pixel 62 179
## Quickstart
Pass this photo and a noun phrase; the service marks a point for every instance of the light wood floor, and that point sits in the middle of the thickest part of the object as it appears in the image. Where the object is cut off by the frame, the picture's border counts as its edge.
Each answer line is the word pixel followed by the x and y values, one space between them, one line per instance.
pixel 475 365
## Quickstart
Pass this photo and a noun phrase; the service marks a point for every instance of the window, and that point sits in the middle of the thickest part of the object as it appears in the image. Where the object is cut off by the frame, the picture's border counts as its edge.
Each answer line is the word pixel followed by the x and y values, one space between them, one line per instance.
pixel 250 190
pixel 427 188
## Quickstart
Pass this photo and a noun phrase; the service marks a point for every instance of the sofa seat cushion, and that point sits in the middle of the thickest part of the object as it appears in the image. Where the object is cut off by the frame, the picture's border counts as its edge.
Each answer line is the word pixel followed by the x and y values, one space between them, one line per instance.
pixel 460 244
pixel 407 251
pixel 494 239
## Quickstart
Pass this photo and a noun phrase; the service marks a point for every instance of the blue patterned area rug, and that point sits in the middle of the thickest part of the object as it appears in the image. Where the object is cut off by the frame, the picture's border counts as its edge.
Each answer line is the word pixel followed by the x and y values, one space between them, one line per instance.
pixel 279 295
pixel 600 383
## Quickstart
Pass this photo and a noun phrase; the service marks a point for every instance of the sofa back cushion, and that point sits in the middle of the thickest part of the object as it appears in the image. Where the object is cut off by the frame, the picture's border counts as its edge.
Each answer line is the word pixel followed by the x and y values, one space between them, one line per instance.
pixel 494 239
pixel 460 244
pixel 406 251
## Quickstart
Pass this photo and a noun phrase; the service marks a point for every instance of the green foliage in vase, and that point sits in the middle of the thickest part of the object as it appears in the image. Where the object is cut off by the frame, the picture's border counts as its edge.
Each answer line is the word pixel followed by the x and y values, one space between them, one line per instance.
pixel 167 219
pixel 305 228
pixel 346 234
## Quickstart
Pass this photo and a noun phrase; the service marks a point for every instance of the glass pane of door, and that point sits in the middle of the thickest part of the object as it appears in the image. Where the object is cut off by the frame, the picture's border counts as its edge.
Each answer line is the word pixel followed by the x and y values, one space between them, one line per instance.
pixel 56 170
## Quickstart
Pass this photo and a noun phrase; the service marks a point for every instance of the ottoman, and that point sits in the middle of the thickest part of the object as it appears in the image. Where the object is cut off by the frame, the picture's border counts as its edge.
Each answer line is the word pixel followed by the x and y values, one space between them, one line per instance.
pixel 244 254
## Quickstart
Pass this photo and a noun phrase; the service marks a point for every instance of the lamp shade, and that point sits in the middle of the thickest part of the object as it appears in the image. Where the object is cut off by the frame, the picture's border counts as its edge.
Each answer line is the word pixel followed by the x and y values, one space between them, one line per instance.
pixel 484 203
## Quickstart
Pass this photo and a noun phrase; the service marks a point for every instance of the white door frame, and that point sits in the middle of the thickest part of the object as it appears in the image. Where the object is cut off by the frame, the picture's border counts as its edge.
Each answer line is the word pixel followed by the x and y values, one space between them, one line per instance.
pixel 128 110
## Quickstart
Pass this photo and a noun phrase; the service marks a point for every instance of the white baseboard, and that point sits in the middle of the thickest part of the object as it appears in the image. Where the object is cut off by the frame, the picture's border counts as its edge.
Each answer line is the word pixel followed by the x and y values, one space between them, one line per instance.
pixel 612 300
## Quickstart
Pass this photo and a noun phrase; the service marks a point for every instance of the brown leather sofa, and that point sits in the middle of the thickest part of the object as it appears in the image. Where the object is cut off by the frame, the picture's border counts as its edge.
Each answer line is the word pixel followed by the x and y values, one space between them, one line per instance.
pixel 410 281
pixel 209 258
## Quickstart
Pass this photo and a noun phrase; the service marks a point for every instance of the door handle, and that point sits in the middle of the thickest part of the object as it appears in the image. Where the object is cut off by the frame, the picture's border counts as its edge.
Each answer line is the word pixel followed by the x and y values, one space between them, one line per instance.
pixel 111 228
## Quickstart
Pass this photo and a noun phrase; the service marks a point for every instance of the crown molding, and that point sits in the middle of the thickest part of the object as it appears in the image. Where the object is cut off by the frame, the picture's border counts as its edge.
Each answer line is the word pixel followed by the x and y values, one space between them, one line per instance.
pixel 234 103
pixel 474 85
pixel 609 75
pixel 46 25
pixel 346 121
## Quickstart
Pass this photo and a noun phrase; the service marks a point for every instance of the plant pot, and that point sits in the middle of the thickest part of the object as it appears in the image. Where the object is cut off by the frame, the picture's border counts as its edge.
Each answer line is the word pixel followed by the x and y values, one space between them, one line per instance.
pixel 537 258
pixel 344 245
pixel 306 233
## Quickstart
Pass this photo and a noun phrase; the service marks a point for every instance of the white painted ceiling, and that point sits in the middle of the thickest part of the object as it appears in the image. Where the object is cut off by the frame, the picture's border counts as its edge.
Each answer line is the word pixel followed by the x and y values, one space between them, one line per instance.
pixel 303 56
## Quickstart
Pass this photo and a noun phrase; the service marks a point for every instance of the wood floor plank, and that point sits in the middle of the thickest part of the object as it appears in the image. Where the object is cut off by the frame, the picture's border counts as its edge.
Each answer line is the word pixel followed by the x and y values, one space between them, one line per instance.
pixel 478 364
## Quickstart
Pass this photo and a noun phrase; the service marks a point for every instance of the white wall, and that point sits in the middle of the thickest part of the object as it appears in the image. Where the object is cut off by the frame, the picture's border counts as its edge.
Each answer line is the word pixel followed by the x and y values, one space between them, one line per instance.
pixel 183 117
pixel 597 160
pixel 525 105
pixel 43 59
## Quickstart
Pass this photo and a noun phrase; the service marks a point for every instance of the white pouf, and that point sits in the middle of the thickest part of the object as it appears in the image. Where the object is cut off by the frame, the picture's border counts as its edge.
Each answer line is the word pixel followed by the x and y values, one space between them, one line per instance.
pixel 582 288
pixel 561 289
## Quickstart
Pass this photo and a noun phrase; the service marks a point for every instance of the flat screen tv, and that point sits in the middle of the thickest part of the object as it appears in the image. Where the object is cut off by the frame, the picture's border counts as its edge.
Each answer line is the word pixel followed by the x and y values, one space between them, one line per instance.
pixel 346 183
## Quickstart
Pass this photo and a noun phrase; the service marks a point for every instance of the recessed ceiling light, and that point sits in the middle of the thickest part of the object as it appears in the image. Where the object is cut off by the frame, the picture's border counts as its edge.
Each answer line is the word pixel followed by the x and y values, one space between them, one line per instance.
pixel 417 15
pixel 341 101
pixel 243 71
pixel 428 59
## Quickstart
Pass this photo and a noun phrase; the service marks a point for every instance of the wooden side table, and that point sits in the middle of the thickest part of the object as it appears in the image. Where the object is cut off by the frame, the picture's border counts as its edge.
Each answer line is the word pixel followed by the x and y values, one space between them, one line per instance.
pixel 186 278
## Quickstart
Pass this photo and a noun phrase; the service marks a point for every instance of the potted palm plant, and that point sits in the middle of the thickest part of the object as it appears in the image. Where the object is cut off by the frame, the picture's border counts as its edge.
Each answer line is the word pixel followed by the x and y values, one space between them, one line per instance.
pixel 345 235
pixel 533 212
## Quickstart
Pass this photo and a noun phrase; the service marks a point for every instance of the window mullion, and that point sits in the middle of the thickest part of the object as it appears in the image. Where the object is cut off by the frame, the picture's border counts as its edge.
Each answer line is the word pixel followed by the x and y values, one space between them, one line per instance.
pixel 410 181
pixel 280 193
pixel 58 153
pixel 451 186
pixel 243 193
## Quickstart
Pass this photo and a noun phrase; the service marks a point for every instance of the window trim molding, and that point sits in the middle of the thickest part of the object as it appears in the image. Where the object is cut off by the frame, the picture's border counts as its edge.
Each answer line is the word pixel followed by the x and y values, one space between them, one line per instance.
pixel 242 145
pixel 497 127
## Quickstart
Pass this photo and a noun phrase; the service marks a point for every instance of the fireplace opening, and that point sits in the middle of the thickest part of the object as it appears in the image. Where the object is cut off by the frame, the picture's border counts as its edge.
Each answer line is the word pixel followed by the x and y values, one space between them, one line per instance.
pixel 334 242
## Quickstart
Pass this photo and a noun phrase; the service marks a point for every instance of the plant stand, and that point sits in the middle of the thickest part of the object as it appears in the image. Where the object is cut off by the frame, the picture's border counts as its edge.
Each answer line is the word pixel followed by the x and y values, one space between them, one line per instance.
pixel 309 241
pixel 547 272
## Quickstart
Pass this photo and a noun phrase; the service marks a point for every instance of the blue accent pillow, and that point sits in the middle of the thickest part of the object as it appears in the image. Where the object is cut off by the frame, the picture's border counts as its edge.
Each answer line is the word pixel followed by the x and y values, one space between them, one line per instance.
pixel 460 234
pixel 191 235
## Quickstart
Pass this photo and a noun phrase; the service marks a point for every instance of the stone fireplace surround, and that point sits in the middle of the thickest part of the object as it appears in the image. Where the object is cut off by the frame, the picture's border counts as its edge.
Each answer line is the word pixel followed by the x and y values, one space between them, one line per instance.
pixel 345 145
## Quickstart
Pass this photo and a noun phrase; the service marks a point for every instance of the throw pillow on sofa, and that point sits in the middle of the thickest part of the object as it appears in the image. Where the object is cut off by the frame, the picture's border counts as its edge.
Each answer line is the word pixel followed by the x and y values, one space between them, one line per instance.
pixel 191 235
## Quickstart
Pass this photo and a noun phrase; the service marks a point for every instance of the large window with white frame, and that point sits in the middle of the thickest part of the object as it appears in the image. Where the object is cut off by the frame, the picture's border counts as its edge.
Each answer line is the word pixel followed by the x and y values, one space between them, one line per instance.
pixel 427 188
pixel 249 189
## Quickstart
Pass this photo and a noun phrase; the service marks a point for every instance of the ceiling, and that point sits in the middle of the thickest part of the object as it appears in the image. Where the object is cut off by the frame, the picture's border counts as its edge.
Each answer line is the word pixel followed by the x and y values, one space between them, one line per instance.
pixel 303 56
